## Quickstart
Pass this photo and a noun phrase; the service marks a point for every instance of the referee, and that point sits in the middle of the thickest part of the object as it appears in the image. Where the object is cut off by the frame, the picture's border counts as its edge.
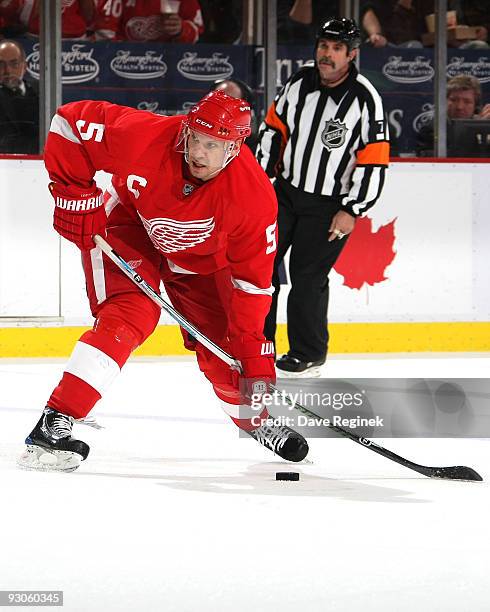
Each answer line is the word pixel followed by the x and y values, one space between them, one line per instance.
pixel 325 141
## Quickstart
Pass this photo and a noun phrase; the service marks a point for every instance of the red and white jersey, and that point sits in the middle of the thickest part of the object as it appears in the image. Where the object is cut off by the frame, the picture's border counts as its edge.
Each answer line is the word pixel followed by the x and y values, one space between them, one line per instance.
pixel 200 227
pixel 9 11
pixel 73 21
pixel 107 21
pixel 141 20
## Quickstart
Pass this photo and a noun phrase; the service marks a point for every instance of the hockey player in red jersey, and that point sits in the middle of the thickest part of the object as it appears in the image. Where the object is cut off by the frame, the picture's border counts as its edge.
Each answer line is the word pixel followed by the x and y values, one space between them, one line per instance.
pixel 189 206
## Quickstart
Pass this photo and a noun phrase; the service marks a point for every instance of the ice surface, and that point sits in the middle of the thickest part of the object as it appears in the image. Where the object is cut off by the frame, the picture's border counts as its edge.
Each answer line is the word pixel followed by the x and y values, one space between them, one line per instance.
pixel 173 511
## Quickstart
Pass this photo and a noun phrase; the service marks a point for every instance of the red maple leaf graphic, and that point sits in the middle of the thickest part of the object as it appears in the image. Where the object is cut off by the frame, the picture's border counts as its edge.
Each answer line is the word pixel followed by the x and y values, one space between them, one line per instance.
pixel 367 254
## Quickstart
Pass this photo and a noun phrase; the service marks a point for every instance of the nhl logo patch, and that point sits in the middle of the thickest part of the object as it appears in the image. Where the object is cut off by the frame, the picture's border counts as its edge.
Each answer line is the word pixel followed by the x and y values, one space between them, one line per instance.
pixel 259 387
pixel 333 135
pixel 187 189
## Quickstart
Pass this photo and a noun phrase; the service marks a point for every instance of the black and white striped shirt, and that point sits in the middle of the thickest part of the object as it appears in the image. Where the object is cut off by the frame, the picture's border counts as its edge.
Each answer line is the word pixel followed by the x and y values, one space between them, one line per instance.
pixel 327 141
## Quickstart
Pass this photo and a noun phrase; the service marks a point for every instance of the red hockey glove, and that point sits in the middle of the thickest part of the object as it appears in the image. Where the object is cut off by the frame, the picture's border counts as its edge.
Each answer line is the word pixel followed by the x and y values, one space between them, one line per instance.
pixel 78 214
pixel 257 359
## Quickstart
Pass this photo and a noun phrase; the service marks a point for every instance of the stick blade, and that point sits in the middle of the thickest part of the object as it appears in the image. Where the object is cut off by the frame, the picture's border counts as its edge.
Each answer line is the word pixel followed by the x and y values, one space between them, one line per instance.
pixel 457 472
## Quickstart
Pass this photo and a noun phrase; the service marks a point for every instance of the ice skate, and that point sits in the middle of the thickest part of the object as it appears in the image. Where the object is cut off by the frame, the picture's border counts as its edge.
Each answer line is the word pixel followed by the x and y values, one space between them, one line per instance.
pixel 50 445
pixel 282 441
pixel 291 367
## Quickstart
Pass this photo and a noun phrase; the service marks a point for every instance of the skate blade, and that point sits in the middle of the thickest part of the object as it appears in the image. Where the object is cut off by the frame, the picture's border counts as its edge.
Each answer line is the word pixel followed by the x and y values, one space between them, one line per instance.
pixel 44 460
pixel 309 373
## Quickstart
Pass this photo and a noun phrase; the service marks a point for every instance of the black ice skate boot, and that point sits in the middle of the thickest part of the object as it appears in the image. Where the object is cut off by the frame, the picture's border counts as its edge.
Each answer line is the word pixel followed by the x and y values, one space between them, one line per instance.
pixel 282 440
pixel 291 367
pixel 50 446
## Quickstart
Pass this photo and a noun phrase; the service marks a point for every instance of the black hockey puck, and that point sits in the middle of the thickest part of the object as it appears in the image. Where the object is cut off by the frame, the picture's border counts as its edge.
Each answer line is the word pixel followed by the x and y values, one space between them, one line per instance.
pixel 287 475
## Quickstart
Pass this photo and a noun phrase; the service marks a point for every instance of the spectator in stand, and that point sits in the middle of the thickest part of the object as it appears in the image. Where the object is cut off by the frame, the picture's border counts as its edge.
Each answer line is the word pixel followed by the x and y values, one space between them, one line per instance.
pixel 222 21
pixel 402 22
pixel 314 12
pixel 76 15
pixel 464 98
pixel 162 20
pixel 19 102
pixel 475 13
pixel 398 23
pixel 463 102
pixel 299 20
pixel 237 88
pixel 297 29
pixel 10 26
pixel 107 21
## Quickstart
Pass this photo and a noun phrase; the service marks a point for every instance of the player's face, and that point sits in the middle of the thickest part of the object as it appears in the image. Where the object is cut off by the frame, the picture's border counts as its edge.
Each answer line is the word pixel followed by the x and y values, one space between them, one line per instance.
pixel 461 104
pixel 333 58
pixel 206 154
pixel 12 66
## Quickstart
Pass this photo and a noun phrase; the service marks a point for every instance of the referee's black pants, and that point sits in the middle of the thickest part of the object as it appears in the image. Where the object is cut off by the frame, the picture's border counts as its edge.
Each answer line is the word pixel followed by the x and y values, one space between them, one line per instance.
pixel 303 223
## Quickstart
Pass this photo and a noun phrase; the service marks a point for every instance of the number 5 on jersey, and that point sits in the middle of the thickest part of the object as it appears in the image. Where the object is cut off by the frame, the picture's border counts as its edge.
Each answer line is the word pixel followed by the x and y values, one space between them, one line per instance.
pixel 270 234
pixel 94 130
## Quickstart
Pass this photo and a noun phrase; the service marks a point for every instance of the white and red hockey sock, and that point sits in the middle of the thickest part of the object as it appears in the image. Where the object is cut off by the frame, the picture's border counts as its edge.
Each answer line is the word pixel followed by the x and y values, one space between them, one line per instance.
pixel 95 362
pixel 245 416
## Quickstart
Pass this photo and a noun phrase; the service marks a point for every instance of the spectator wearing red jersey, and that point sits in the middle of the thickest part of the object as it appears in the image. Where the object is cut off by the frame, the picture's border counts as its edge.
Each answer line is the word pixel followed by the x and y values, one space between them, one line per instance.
pixel 107 21
pixel 10 26
pixel 75 16
pixel 162 20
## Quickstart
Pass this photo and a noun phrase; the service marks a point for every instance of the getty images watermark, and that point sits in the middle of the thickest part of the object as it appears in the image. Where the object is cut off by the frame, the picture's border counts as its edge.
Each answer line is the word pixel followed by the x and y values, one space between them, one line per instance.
pixel 334 401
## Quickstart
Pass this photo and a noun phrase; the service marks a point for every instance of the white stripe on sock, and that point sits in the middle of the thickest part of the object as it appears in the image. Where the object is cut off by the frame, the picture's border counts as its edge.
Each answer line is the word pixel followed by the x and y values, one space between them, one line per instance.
pixel 241 411
pixel 93 366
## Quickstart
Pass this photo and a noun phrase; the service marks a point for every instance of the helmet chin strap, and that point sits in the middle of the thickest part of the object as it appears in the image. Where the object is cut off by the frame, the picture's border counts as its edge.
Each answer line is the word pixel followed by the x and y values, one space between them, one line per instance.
pixel 228 154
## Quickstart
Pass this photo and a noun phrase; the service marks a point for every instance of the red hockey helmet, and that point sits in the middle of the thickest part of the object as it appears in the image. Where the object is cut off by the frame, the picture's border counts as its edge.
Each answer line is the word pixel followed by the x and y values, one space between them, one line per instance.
pixel 220 116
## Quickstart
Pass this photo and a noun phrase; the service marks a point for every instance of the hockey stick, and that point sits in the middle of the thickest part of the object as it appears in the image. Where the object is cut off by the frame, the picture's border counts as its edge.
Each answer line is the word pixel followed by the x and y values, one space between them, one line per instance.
pixel 168 308
pixel 459 472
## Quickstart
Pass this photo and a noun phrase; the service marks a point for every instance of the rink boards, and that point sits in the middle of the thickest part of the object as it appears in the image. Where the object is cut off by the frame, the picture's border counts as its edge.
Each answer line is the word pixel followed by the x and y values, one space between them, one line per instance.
pixel 415 279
